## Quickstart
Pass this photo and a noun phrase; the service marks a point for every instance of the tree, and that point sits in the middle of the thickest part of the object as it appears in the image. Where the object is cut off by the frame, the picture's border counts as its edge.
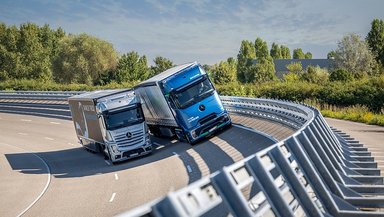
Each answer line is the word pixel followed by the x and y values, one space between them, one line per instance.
pixel 353 55
pixel 83 59
pixel 261 48
pixel 375 40
pixel 264 69
pixel 244 59
pixel 132 67
pixel 35 61
pixel 316 75
pixel 298 54
pixel 331 54
pixel 276 51
pixel 224 72
pixel 308 55
pixel 295 68
pixel 27 51
pixel 340 75
pixel 285 52
pixel 161 64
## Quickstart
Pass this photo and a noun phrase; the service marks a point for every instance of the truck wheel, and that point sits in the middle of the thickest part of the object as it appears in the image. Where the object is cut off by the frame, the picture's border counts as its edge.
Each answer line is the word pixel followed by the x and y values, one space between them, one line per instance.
pixel 155 131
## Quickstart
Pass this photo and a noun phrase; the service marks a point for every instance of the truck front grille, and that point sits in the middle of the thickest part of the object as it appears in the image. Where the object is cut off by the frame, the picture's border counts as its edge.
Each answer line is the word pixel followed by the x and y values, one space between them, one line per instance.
pixel 136 137
pixel 207 118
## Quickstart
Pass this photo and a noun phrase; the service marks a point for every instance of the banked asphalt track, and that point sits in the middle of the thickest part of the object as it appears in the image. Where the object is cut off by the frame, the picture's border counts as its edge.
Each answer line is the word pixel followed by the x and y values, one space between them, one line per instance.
pixel 45 172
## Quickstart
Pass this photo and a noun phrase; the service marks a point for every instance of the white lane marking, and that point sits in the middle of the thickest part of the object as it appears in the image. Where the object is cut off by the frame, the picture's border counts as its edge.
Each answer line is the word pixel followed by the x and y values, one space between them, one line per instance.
pixel 54 122
pixel 107 162
pixel 189 168
pixel 159 146
pixel 116 176
pixel 48 138
pixel 23 134
pixel 175 154
pixel 70 144
pixel 112 198
pixel 46 185
pixel 26 120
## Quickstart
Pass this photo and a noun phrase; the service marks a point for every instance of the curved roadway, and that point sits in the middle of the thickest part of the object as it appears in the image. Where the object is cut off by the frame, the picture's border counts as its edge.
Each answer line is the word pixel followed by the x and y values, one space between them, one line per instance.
pixel 80 183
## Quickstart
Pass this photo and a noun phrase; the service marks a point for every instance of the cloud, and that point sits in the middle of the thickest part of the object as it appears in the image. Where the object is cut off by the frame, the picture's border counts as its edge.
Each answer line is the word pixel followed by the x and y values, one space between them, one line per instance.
pixel 206 30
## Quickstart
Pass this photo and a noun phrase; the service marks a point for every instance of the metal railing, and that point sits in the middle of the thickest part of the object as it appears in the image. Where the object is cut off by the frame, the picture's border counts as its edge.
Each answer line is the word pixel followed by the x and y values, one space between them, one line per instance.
pixel 38 95
pixel 317 171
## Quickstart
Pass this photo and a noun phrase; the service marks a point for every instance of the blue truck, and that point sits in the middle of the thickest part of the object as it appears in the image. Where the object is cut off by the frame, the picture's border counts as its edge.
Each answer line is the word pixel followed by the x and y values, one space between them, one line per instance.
pixel 182 101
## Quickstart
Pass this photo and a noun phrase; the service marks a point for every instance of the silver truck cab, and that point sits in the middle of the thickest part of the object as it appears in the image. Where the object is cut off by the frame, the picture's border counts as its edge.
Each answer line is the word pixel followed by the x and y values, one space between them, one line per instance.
pixel 112 122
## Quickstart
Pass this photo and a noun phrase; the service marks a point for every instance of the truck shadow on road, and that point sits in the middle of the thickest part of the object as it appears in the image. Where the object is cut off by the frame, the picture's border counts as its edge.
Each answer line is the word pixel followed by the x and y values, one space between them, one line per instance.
pixel 78 162
pixel 199 160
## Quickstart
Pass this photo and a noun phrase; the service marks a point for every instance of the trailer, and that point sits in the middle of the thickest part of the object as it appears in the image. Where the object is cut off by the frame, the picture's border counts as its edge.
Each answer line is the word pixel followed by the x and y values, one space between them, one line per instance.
pixel 182 101
pixel 111 122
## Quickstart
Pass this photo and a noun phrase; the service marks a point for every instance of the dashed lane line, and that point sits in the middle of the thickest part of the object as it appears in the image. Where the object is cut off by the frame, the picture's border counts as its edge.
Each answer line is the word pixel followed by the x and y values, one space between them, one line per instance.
pixel 48 138
pixel 26 120
pixel 52 122
pixel 189 168
pixel 23 134
pixel 112 197
pixel 116 176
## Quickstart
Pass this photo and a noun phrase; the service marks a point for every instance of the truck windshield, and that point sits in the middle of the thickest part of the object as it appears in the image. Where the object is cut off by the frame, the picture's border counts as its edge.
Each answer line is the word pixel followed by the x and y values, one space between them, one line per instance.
pixel 193 94
pixel 123 118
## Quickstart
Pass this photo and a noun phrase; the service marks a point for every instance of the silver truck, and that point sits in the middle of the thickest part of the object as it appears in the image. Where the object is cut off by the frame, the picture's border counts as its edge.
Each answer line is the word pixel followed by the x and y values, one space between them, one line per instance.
pixel 112 122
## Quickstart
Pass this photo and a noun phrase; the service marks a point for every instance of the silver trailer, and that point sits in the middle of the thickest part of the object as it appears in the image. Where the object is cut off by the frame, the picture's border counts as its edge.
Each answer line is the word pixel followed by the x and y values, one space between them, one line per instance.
pixel 112 122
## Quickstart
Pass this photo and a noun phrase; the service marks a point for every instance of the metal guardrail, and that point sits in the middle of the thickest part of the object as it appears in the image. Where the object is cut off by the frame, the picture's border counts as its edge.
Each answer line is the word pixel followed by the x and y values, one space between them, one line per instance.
pixel 316 171
pixel 38 95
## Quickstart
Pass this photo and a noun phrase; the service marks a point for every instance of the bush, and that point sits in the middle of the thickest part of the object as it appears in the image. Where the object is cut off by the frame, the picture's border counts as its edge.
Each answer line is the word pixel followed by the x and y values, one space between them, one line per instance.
pixel 315 75
pixel 340 75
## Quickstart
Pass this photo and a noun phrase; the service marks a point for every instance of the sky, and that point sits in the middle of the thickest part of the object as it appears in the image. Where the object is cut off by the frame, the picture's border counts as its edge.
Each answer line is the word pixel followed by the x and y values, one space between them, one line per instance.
pixel 207 31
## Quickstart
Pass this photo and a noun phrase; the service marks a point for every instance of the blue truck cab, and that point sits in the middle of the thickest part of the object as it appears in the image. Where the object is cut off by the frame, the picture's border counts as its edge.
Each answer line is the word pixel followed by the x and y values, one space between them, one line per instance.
pixel 182 101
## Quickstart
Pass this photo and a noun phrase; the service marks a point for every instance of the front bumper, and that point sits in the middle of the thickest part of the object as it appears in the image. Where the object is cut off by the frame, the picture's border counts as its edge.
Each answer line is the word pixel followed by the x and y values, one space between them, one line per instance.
pixel 211 127
pixel 122 155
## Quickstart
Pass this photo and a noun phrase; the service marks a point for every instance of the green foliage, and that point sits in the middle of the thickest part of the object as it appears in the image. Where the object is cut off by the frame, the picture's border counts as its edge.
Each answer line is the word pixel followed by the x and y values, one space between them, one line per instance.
pixel 354 113
pixel 264 69
pixel 276 51
pixel 340 75
pixel 331 54
pixel 83 59
pixel 161 64
pixel 24 84
pixel 298 54
pixel 224 72
pixel 295 68
pixel 316 75
pixel 375 40
pixel 366 92
pixel 27 51
pixel 308 55
pixel 132 67
pixel 285 52
pixel 245 57
pixel 261 49
pixel 353 55
pixel 291 77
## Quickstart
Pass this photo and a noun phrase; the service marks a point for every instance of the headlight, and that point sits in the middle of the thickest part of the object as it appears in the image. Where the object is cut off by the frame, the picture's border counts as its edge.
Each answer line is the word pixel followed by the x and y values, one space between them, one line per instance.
pixel 114 148
pixel 193 134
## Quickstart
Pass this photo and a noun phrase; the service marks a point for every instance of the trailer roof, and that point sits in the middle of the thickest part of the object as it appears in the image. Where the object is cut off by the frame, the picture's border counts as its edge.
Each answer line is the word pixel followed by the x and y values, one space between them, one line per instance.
pixel 167 73
pixel 97 94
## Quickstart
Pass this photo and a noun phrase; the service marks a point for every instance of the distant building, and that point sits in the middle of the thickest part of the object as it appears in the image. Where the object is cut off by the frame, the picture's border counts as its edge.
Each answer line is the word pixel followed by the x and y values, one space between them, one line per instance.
pixel 281 64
